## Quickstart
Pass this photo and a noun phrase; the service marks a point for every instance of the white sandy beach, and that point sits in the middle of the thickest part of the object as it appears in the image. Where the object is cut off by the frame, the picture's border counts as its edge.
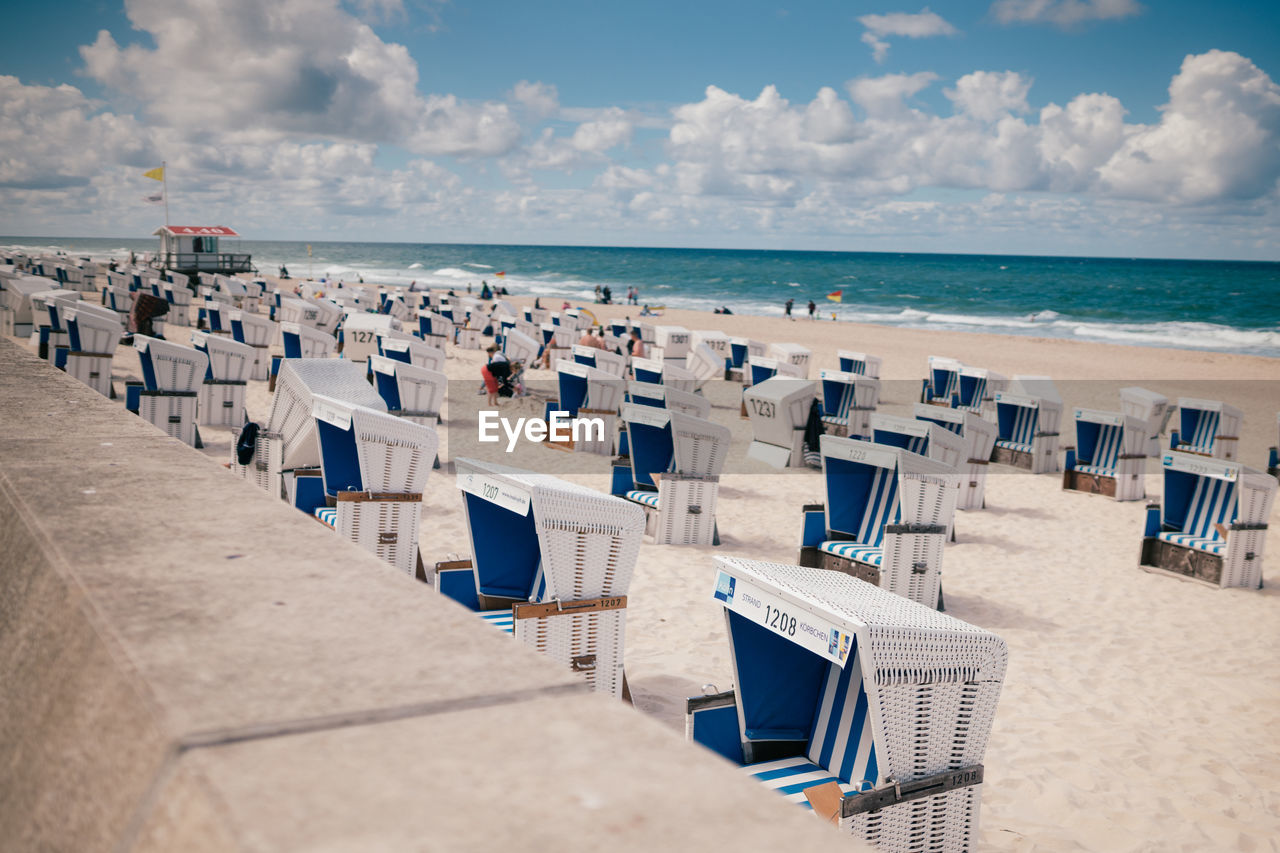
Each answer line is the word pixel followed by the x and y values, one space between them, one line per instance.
pixel 1139 712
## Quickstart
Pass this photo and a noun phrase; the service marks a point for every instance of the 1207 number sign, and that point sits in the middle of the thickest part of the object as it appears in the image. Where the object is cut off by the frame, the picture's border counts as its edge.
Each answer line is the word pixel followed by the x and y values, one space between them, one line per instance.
pixel 776 619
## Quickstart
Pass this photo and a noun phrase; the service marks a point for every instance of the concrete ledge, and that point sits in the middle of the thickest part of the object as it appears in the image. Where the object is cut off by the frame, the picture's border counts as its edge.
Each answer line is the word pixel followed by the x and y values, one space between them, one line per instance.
pixel 189 664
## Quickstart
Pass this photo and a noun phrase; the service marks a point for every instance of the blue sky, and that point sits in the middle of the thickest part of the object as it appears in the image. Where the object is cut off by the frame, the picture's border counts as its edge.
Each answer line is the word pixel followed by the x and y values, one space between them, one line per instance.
pixel 1106 127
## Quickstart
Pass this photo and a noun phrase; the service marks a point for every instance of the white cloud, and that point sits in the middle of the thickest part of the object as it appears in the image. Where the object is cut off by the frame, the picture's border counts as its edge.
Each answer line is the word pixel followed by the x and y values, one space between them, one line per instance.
pixel 539 100
pixel 608 131
pixel 1062 13
pixel 922 24
pixel 988 95
pixel 302 67
pixel 884 96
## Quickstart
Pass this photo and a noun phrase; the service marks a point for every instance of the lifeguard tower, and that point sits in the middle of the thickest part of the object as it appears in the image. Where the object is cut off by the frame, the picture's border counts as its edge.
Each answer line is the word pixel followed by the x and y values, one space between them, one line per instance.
pixel 192 249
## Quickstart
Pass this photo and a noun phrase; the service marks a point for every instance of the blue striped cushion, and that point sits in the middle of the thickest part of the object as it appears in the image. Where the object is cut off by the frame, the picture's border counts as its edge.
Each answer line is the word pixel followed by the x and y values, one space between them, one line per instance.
pixel 1213 501
pixel 853 551
pixel 1187 447
pixel 503 620
pixel 791 776
pixel 1206 431
pixel 1014 445
pixel 329 515
pixel 834 420
pixel 642 497
pixel 842 739
pixel 1107 450
pixel 1207 544
pixel 1096 469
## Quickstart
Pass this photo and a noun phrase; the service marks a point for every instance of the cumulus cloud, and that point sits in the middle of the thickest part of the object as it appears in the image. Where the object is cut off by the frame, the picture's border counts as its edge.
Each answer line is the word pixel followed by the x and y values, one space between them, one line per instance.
pixel 922 24
pixel 303 67
pixel 539 100
pixel 886 95
pixel 988 95
pixel 1062 13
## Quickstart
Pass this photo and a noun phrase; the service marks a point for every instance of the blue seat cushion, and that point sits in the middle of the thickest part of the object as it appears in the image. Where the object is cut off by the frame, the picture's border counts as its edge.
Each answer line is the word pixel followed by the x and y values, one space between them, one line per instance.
pixel 329 515
pixel 791 776
pixel 503 620
pixel 642 497
pixel 1014 445
pixel 1207 544
pixel 853 551
pixel 1099 470
pixel 835 420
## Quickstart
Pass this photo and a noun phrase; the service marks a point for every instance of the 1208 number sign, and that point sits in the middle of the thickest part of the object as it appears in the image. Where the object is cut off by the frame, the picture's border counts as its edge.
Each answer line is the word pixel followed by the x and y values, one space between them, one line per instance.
pixel 775 618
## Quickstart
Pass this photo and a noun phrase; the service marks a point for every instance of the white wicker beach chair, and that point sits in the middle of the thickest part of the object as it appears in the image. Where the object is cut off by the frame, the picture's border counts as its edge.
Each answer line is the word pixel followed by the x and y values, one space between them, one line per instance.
pixel 658 372
pixel 860 363
pixel 18 319
pixel 778 409
pixel 360 334
pixel 1027 428
pixel 607 360
pixel 740 349
pixel 848 401
pixel 48 322
pixel 221 396
pixel 559 339
pixel 414 352
pixel 217 316
pixel 666 397
pixel 93 333
pixel 716 341
pixel 759 368
pixel 411 392
pixel 551 563
pixel 673 472
pixel 976 388
pixel 374 467
pixel 869 709
pixel 1207 428
pixel 285 448
pixel 1109 457
pixel 171 376
pixel 258 332
pixel 980 439
pixel 943 382
pixel 179 297
pixel 885 519
pixel 519 346
pixel 1150 407
pixel 671 343
pixel 793 354
pixel 1212 524
pixel 302 341
pixel 588 392
pixel 705 365
pixel 435 328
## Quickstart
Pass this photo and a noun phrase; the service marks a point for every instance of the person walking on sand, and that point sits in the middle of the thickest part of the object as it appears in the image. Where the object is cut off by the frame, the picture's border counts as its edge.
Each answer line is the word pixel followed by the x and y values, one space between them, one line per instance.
pixel 786 309
pixel 813 306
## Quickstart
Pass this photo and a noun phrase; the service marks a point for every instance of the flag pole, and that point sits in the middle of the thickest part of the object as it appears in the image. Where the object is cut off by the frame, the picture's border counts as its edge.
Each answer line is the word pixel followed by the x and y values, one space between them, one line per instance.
pixel 164 173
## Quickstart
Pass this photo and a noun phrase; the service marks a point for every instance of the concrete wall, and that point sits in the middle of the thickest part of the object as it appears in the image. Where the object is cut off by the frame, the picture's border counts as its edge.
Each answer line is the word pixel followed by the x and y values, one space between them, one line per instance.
pixel 187 664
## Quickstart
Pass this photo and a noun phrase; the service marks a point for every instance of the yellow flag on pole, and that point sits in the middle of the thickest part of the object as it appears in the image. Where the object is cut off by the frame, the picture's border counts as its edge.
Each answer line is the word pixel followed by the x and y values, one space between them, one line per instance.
pixel 156 174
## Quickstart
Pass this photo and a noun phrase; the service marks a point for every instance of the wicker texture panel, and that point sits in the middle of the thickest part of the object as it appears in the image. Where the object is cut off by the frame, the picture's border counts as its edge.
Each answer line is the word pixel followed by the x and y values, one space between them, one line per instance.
pixel 676 524
pixel 590 644
pixel 221 405
pixel 92 370
pixel 296 383
pixel 176 416
pixel 386 529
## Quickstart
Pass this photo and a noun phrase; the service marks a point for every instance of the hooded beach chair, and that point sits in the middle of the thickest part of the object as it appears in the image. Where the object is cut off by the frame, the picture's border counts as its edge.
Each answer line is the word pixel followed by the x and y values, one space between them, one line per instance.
pixel 221 395
pixel 286 458
pixel 704 364
pixel 19 320
pixel 1212 523
pixel 410 351
pixel 93 332
pixel 673 472
pixel 50 328
pixel 179 297
pixel 1027 420
pixel 359 334
pixel 373 467
pixel 779 411
pixel 858 362
pixel 434 328
pixel 926 439
pixel 606 360
pixel 740 349
pixel 976 388
pixel 411 392
pixel 171 378
pixel 1150 407
pixel 671 343
pixel 940 388
pixel 589 394
pixel 657 372
pixel 217 316
pixel 255 331
pixel 848 400
pixel 793 354
pixel 868 708
pixel 666 397
pixel 518 346
pixel 559 339
pixel 760 368
pixel 1207 428
pixel 885 519
pixel 303 341
pixel 716 341
pixel 551 563
pixel 1109 457
pixel 980 439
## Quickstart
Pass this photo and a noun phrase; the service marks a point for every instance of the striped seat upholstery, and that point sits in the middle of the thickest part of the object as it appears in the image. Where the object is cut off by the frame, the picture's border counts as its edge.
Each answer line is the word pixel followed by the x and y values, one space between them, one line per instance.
pixel 841 740
pixel 791 776
pixel 1213 501
pixel 854 365
pixel 1106 453
pixel 643 497
pixel 329 515
pixel 853 551
pixel 1023 431
pixel 942 384
pixel 1208 544
pixel 503 620
pixel 1013 445
pixel 1201 439
pixel 971 391
pixel 835 420
pixel 1096 469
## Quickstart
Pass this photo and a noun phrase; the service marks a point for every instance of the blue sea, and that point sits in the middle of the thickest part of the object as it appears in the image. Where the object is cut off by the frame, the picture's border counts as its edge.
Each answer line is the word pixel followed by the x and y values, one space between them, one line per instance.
pixel 1230 306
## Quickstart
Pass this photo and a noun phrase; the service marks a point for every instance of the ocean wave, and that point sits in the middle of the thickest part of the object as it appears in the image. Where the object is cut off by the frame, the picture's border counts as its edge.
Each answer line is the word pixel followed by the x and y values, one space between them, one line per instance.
pixel 479 266
pixel 415 266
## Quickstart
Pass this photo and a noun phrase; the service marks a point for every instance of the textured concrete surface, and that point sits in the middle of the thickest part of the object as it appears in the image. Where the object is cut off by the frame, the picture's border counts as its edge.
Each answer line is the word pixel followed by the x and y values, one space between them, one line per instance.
pixel 188 664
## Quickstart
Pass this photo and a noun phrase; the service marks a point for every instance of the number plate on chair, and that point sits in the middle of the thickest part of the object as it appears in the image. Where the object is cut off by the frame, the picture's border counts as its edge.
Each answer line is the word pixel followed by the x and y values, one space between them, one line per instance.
pixel 784 618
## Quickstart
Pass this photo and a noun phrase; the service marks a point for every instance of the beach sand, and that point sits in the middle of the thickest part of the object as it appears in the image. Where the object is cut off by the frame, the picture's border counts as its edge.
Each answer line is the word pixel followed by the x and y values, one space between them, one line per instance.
pixel 1140 712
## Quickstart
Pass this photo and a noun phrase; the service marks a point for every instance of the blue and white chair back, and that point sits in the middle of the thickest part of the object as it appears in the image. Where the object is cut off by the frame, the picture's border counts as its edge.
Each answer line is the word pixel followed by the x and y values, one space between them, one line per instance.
pixel 860 363
pixel 944 380
pixel 170 367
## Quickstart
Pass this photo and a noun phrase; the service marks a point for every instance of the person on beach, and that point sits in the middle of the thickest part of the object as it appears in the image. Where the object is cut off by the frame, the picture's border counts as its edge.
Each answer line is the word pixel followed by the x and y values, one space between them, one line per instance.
pixel 606 295
pixel 635 345
pixel 537 303
pixel 786 309
pixel 813 306
pixel 592 338
pixel 597 294
pixel 498 365
pixel 485 292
